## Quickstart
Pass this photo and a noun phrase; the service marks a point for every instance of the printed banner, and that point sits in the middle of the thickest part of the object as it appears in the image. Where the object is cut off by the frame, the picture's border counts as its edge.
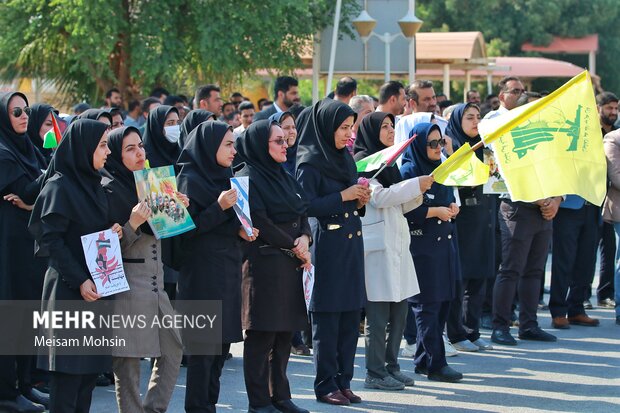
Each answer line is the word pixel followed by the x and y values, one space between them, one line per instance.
pixel 157 187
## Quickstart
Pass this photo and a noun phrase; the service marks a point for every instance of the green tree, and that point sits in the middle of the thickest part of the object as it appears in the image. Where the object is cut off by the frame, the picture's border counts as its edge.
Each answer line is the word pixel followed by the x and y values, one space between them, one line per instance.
pixel 507 24
pixel 88 46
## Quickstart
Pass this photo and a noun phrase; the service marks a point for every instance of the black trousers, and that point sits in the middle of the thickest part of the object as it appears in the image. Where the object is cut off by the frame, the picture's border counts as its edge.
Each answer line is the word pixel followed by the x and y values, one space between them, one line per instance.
pixel 411 331
pixel 474 291
pixel 430 319
pixel 265 358
pixel 525 245
pixel 71 393
pixel 574 259
pixel 607 237
pixel 203 381
pixel 334 340
pixel 454 323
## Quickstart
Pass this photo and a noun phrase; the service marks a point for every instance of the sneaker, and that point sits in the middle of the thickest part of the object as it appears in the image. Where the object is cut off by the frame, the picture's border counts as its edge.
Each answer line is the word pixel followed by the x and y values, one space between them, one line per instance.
pixel 300 350
pixel 446 374
pixel 408 350
pixel 450 350
pixel 403 378
pixel 486 322
pixel 606 303
pixel 536 334
pixel 587 304
pixel 482 344
pixel 385 383
pixel 465 345
pixel 503 337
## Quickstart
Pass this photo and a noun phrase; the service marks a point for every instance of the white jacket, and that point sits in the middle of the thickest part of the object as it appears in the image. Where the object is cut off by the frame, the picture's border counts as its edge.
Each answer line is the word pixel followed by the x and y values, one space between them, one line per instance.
pixel 390 274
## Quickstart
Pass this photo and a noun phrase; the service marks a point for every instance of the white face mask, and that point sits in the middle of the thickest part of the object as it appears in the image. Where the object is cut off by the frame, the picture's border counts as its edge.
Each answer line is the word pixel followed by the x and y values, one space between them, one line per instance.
pixel 172 133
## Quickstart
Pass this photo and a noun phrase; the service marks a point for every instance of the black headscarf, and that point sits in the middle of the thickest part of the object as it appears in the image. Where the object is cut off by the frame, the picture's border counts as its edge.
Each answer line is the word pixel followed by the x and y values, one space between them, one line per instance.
pixel 316 141
pixel 159 150
pixel 191 121
pixel 367 143
pixel 415 162
pixel 74 191
pixel 272 188
pixel 16 149
pixel 95 114
pixel 291 151
pixel 118 181
pixel 38 114
pixel 455 129
pixel 201 178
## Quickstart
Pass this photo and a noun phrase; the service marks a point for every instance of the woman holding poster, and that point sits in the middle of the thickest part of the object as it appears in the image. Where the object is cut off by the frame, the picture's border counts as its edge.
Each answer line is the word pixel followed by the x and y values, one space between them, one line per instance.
pixel 72 203
pixel 274 273
pixel 144 272
pixel 211 269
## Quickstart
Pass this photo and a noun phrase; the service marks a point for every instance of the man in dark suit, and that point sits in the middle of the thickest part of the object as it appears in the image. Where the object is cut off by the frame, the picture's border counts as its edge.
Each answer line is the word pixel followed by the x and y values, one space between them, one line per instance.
pixel 286 94
pixel 208 98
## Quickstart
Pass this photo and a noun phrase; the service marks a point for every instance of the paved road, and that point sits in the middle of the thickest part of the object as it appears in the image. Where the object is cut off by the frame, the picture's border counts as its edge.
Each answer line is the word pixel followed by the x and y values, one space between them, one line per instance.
pixel 579 373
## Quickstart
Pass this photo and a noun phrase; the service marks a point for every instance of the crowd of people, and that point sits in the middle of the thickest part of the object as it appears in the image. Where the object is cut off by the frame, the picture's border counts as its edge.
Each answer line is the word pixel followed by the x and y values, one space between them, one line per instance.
pixel 395 253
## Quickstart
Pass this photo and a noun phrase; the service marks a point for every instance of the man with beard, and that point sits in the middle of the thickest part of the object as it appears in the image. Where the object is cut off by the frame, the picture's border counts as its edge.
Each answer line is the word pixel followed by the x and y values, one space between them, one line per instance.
pixel 421 96
pixel 286 94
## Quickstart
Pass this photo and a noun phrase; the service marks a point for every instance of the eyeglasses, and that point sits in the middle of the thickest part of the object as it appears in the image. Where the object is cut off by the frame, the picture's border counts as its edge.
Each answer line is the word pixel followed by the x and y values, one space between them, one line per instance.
pixel 17 112
pixel 517 92
pixel 280 142
pixel 435 143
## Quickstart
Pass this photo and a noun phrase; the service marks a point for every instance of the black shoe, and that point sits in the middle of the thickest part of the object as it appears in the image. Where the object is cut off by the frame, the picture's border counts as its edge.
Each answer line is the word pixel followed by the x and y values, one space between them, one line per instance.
pixel 20 405
pixel 102 381
pixel 447 374
pixel 503 337
pixel 618 320
pixel 287 406
pixel 228 356
pixel 486 322
pixel 537 334
pixel 38 397
pixel 264 409
pixel 420 370
pixel 42 386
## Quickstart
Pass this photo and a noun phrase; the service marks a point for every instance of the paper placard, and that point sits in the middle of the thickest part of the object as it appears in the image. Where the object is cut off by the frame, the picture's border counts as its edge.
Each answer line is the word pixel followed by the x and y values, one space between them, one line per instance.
pixel 495 184
pixel 102 251
pixel 242 207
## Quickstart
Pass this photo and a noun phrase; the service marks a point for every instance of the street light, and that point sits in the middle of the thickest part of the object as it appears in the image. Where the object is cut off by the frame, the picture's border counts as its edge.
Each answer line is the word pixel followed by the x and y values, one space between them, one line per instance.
pixel 409 26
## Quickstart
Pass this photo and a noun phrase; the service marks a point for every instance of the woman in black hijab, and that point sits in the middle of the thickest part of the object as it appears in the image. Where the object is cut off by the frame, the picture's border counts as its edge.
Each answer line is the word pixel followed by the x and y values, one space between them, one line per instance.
pixel 72 203
pixel 390 275
pixel 101 115
pixel 211 269
pixel 327 174
pixel 21 275
pixel 191 121
pixel 161 136
pixel 273 298
pixel 434 253
pixel 144 272
pixel 287 123
pixel 39 123
pixel 477 224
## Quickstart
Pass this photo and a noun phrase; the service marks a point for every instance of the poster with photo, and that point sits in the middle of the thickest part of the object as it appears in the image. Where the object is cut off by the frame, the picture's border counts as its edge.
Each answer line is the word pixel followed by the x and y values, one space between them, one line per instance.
pixel 495 184
pixel 242 207
pixel 157 187
pixel 102 251
pixel 308 284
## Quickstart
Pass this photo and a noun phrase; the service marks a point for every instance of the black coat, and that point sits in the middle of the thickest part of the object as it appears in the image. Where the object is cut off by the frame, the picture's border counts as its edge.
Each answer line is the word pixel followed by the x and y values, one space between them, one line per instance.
pixel 476 224
pixel 435 256
pixel 264 114
pixel 339 247
pixel 66 272
pixel 211 267
pixel 273 296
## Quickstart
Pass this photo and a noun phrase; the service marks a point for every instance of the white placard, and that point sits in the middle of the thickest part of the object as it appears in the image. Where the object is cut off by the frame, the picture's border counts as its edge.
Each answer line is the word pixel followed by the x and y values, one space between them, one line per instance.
pixel 102 251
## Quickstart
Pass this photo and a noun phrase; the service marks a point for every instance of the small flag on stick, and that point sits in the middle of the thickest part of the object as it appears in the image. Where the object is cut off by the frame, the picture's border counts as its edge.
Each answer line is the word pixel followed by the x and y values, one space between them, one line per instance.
pixel 52 138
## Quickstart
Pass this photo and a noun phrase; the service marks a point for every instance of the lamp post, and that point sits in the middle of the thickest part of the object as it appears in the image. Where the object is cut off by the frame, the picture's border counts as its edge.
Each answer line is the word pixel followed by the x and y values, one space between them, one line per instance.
pixel 409 26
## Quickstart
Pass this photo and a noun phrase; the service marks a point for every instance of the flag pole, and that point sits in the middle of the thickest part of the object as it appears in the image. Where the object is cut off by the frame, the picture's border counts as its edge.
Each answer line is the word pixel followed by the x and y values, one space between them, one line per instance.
pixel 383 165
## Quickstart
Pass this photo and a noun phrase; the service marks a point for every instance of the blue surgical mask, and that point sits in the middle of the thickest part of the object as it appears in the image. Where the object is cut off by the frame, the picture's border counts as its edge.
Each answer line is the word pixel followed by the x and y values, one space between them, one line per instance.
pixel 172 133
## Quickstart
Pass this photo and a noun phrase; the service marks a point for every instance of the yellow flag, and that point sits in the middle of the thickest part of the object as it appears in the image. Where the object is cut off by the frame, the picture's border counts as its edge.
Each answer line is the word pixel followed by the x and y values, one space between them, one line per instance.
pixel 552 146
pixel 463 168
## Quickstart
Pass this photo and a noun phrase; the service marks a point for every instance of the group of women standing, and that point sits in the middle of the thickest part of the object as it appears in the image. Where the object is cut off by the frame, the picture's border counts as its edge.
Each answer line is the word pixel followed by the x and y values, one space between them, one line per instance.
pixel 375 246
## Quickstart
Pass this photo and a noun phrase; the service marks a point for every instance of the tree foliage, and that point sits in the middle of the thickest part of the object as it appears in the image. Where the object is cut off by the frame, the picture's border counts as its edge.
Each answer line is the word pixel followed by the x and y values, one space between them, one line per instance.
pixel 88 46
pixel 507 24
